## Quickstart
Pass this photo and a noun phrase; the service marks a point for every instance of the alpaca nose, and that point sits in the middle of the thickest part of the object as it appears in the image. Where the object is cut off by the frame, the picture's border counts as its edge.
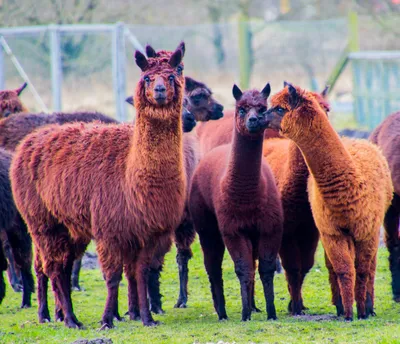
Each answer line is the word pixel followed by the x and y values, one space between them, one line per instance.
pixel 160 88
pixel 253 119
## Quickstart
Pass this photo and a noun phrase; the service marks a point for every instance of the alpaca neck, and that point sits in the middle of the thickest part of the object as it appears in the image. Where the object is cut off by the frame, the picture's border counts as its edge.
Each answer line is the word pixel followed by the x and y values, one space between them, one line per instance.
pixel 328 160
pixel 242 177
pixel 156 148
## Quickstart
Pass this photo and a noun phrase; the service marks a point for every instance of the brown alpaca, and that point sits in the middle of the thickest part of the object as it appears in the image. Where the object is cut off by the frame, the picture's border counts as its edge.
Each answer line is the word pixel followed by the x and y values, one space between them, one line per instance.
pixel 387 137
pixel 349 191
pixel 122 185
pixel 10 102
pixel 14 237
pixel 300 234
pixel 234 203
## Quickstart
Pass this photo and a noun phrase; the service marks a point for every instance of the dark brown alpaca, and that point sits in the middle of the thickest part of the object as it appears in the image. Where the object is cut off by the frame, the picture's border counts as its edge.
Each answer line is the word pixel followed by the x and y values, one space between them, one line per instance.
pixel 387 137
pixel 300 234
pixel 122 185
pixel 10 102
pixel 14 235
pixel 349 190
pixel 234 203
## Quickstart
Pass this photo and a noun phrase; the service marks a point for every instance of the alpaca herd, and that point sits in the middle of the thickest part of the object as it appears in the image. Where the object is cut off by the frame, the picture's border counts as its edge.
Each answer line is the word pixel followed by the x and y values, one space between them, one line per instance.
pixel 266 180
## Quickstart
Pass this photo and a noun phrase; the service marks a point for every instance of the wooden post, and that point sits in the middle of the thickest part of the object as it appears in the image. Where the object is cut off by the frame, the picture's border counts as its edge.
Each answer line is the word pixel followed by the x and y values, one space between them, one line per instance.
pixel 2 70
pixel 119 70
pixel 245 51
pixel 56 67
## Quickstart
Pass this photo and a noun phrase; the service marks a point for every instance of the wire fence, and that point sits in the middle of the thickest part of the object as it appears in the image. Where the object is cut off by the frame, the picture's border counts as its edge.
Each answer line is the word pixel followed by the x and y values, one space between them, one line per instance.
pixel 92 66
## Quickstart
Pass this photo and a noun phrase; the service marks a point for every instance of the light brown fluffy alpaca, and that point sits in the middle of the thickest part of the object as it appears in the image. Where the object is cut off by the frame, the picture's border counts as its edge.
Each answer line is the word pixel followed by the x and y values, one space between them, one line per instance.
pixel 349 191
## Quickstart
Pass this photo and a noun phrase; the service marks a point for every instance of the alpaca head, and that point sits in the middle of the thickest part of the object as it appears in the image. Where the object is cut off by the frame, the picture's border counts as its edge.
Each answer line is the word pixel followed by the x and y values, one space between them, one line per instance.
pixel 10 102
pixel 250 111
pixel 293 110
pixel 188 119
pixel 161 81
pixel 200 101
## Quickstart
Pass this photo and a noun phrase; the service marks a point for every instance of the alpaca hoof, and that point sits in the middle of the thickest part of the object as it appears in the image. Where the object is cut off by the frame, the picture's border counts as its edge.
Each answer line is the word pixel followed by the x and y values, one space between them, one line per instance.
pixel 396 298
pixel 26 305
pixel 71 323
pixel 255 310
pixel 180 304
pixel 44 320
pixel 348 319
pixel 246 317
pixel 223 318
pixel 77 288
pixel 117 317
pixel 158 310
pixel 151 323
pixel 105 327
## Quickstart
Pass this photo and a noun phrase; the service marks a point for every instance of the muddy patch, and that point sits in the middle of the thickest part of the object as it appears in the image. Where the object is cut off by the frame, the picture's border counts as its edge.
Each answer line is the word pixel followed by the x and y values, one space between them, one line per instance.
pixel 93 341
pixel 316 317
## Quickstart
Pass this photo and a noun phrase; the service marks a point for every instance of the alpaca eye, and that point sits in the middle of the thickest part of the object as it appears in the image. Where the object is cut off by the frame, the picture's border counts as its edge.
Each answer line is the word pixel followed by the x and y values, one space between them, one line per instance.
pixel 262 109
pixel 179 70
pixel 242 112
pixel 171 78
pixel 280 110
pixel 147 79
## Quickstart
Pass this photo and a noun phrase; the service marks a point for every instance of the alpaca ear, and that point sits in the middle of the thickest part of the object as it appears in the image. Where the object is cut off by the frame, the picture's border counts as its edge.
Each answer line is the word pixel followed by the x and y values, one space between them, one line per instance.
pixel 237 93
pixel 266 91
pixel 293 95
pixel 141 60
pixel 190 84
pixel 182 47
pixel 324 93
pixel 20 89
pixel 176 58
pixel 129 100
pixel 150 52
pixel 285 83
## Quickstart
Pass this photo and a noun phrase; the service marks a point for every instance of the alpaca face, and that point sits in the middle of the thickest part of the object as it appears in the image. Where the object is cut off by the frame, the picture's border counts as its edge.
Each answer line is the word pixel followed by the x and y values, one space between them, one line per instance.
pixel 292 112
pixel 10 103
pixel 188 119
pixel 201 102
pixel 251 110
pixel 162 77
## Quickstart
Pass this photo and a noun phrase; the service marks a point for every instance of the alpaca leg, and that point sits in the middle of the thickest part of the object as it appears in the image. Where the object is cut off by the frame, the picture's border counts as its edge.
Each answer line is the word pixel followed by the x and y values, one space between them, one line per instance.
pixel 15 280
pixel 365 253
pixel 213 251
pixel 21 243
pixel 268 247
pixel 42 287
pixel 133 300
pixel 291 262
pixel 369 303
pixel 3 267
pixel 145 257
pixel 184 237
pixel 333 281
pixel 241 251
pixel 163 246
pixel 111 263
pixel 254 308
pixel 391 224
pixel 340 251
pixel 76 268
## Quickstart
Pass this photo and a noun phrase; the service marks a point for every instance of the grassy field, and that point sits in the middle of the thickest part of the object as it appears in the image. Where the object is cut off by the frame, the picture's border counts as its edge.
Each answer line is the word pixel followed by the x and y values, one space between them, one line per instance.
pixel 199 324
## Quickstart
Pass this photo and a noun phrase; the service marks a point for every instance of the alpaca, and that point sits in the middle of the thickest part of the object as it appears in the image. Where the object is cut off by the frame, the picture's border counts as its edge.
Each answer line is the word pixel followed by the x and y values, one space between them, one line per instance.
pixel 122 185
pixel 10 103
pixel 14 236
pixel 300 234
pixel 234 203
pixel 349 190
pixel 386 136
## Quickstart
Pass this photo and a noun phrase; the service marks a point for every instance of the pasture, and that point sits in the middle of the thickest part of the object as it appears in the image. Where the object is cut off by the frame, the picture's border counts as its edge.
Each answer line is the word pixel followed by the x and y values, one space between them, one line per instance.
pixel 198 323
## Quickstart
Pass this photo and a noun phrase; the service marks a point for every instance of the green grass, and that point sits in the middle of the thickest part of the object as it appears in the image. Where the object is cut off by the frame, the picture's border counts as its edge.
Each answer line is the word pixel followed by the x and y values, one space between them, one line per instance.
pixel 199 324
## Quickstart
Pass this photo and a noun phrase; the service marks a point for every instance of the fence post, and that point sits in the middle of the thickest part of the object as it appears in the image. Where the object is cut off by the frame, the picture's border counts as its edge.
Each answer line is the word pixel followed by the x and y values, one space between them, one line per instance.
pixel 119 70
pixel 56 67
pixel 2 69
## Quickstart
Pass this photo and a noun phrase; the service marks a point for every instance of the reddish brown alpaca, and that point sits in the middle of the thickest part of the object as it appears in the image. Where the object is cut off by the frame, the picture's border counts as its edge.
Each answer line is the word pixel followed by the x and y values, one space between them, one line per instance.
pixel 10 102
pixel 387 137
pixel 234 203
pixel 300 234
pixel 198 98
pixel 122 185
pixel 349 191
